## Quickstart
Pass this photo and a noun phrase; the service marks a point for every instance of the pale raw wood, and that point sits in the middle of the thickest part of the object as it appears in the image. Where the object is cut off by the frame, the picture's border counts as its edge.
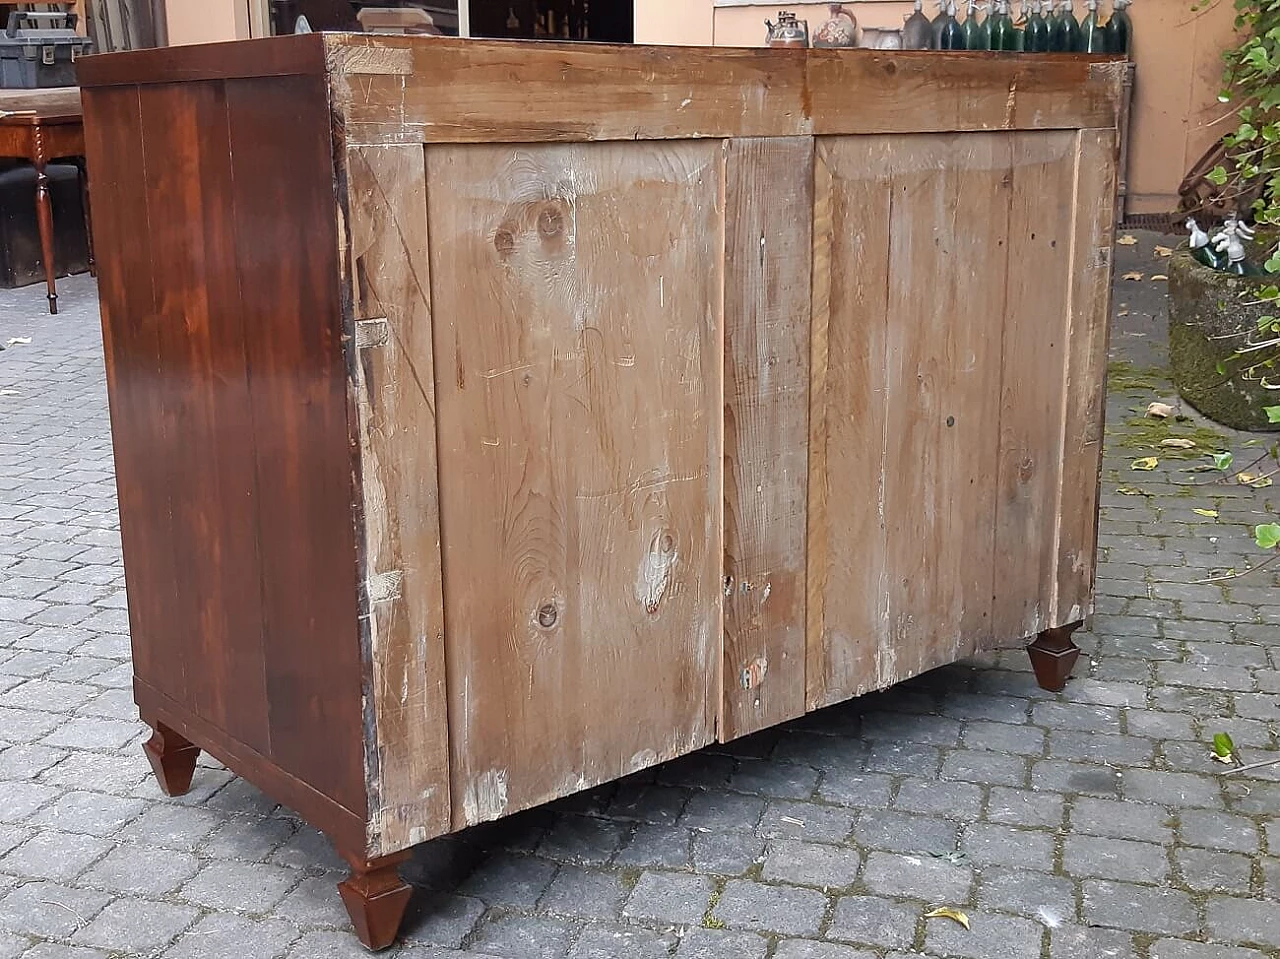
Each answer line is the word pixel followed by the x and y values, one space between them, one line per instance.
pixel 437 90
pixel 577 292
pixel 1031 396
pixel 407 756
pixel 1086 372
pixel 948 256
pixel 848 620
pixel 768 205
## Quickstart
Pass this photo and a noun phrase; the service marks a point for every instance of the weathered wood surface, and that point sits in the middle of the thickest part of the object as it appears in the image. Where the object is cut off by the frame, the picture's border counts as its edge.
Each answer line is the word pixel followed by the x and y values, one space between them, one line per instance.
pixel 394 385
pixel 576 296
pixel 766 412
pixel 398 89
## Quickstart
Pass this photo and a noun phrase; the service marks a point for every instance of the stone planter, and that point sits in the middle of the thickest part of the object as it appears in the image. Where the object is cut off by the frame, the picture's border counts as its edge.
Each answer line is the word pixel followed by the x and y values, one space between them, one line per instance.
pixel 1211 315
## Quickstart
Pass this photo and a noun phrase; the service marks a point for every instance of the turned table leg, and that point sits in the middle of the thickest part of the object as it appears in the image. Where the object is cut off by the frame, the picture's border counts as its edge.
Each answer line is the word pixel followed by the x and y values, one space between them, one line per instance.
pixel 44 217
pixel 88 216
pixel 375 897
pixel 173 759
pixel 1052 656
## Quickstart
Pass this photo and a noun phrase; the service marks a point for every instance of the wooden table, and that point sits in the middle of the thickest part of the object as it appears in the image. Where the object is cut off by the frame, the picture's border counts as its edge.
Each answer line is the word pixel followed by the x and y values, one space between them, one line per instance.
pixel 41 126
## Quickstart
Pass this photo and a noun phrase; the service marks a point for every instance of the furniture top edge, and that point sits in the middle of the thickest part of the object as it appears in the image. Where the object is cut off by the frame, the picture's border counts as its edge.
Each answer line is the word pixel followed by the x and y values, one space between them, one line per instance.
pixel 229 60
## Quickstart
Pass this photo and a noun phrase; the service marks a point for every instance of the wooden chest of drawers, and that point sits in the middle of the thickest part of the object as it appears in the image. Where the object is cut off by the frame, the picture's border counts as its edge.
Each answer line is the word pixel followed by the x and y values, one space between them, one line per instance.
pixel 494 420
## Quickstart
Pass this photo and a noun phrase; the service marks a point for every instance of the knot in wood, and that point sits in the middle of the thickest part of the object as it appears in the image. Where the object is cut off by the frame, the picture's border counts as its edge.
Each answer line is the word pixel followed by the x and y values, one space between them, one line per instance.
pixel 550 222
pixel 504 242
pixel 547 615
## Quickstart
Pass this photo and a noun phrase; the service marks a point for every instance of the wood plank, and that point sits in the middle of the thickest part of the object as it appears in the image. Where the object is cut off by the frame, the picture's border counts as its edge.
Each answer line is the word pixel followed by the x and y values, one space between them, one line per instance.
pixel 576 292
pixel 127 300
pixel 210 466
pixel 411 89
pixel 289 275
pixel 395 391
pixel 768 247
pixel 947 264
pixel 265 57
pixel 1029 469
pixel 848 635
pixel 1086 372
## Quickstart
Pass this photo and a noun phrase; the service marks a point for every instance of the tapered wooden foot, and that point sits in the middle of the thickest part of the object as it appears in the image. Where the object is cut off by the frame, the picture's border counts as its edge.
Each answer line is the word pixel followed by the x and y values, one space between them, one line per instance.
pixel 375 897
pixel 1053 654
pixel 173 759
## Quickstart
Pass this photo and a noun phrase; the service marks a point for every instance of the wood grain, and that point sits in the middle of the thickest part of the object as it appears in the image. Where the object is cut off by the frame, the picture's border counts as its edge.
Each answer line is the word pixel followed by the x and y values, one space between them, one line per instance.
pixel 447 90
pixel 768 247
pixel 1086 372
pixel 395 393
pixel 576 293
pixel 1035 344
pixel 848 634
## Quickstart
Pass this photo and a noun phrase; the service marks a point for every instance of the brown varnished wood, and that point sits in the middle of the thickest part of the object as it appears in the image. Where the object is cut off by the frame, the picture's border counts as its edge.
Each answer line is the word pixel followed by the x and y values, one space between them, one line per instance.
pixel 375 897
pixel 580 460
pixel 211 483
pixel 268 57
pixel 1053 654
pixel 768 211
pixel 289 278
pixel 1032 391
pixel 398 89
pixel 394 386
pixel 173 759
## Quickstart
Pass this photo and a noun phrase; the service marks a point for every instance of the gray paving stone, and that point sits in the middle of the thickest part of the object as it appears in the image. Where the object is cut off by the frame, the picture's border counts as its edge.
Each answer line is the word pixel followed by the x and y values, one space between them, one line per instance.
pixel 722 810
pixel 903 759
pixel 919 877
pixel 1110 858
pixel 1033 894
pixel 852 788
pixel 48 909
pixel 700 943
pixel 1101 748
pixel 1185 949
pixel 1249 921
pixel 874 921
pixel 1207 871
pixel 1060 775
pixel 139 925
pixel 1025 807
pixel 669 897
pixel 812 949
pixel 582 839
pixel 960 800
pixel 1083 942
pixel 94 814
pixel 987 844
pixel 224 936
pixel 903 832
pixel 1157 725
pixel 525 937
pixel 144 870
pixel 53 855
pixel 1121 905
pixel 811 864
pixel 760 908
pixel 657 845
pixel 1183 789
pixel 807 821
pixel 609 941
pixel 1121 820
pixel 505 880
pixel 776 779
pixel 985 768
pixel 726 853
pixel 313 903
pixel 250 839
pixel 248 887
pixel 584 892
pixel 992 937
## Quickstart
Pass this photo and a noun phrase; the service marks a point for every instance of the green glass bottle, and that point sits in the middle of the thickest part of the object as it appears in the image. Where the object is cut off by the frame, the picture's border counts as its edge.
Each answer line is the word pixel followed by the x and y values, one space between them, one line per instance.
pixel 936 26
pixel 952 35
pixel 1000 27
pixel 975 31
pixel 1119 29
pixel 1093 36
pixel 1036 33
pixel 916 34
pixel 1066 31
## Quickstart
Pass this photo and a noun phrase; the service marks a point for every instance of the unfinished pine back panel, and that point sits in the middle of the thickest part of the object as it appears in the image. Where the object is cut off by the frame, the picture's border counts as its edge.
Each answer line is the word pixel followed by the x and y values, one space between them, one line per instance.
pixel 669 393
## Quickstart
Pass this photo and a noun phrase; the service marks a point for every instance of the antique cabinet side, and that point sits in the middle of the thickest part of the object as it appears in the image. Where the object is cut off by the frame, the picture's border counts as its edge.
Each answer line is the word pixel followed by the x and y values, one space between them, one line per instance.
pixel 223 337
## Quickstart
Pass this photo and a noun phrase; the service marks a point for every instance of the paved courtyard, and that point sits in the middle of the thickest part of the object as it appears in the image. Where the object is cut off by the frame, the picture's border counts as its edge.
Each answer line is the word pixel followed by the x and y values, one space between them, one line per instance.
pixel 1086 825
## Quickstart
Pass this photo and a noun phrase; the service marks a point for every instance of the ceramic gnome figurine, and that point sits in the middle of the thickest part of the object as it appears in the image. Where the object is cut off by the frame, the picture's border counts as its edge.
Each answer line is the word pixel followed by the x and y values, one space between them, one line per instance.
pixel 840 31
pixel 1229 243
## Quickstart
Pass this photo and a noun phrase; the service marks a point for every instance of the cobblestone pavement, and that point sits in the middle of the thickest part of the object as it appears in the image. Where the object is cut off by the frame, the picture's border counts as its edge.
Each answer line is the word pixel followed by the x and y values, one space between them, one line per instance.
pixel 1084 825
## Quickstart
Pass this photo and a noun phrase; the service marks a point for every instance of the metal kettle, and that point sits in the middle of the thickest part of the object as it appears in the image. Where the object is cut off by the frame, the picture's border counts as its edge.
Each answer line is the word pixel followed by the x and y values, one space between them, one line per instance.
pixel 787 32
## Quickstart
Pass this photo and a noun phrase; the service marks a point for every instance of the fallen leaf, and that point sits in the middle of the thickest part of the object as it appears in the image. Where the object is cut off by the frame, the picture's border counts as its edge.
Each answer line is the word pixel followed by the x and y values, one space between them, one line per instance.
pixel 17 341
pixel 1223 748
pixel 1246 478
pixel 1262 483
pixel 1130 491
pixel 1123 313
pixel 1127 240
pixel 1211 513
pixel 1159 410
pixel 1163 251
pixel 1158 276
pixel 1135 275
pixel 1178 443
pixel 1145 463
pixel 946 912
